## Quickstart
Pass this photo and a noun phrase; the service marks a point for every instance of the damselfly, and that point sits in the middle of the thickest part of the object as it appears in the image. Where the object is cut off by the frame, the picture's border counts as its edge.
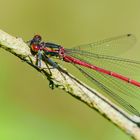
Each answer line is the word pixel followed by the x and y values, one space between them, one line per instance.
pixel 116 76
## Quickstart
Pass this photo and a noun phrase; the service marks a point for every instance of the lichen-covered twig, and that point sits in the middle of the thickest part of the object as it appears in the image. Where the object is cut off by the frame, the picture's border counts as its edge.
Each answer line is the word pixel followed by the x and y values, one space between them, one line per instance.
pixel 66 81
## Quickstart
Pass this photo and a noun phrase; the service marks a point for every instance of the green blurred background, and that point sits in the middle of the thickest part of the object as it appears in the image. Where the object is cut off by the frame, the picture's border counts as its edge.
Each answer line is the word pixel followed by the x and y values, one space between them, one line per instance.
pixel 29 110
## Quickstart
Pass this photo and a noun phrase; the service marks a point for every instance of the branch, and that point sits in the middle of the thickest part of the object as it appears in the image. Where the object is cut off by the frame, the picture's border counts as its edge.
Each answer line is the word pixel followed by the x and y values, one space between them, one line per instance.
pixel 64 80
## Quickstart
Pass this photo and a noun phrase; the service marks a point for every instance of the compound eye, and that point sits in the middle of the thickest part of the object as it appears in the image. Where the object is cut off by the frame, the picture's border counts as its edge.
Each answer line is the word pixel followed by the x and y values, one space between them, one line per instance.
pixel 37 38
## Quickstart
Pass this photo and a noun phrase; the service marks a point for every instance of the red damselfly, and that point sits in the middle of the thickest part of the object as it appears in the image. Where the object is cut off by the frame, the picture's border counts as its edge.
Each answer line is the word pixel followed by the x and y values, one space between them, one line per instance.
pixel 115 76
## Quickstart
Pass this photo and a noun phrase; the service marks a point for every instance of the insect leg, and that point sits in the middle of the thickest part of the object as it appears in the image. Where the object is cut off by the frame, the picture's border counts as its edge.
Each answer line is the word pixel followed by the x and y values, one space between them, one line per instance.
pixel 49 61
pixel 39 58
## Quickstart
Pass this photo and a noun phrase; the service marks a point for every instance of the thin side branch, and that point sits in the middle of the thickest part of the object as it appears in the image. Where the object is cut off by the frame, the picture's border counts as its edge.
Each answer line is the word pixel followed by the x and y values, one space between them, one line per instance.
pixel 64 80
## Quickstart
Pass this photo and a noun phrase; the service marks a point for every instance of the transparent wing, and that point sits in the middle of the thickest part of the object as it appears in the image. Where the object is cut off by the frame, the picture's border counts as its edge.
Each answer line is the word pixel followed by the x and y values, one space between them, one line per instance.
pixel 101 54
pixel 111 46
pixel 114 89
pixel 126 67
